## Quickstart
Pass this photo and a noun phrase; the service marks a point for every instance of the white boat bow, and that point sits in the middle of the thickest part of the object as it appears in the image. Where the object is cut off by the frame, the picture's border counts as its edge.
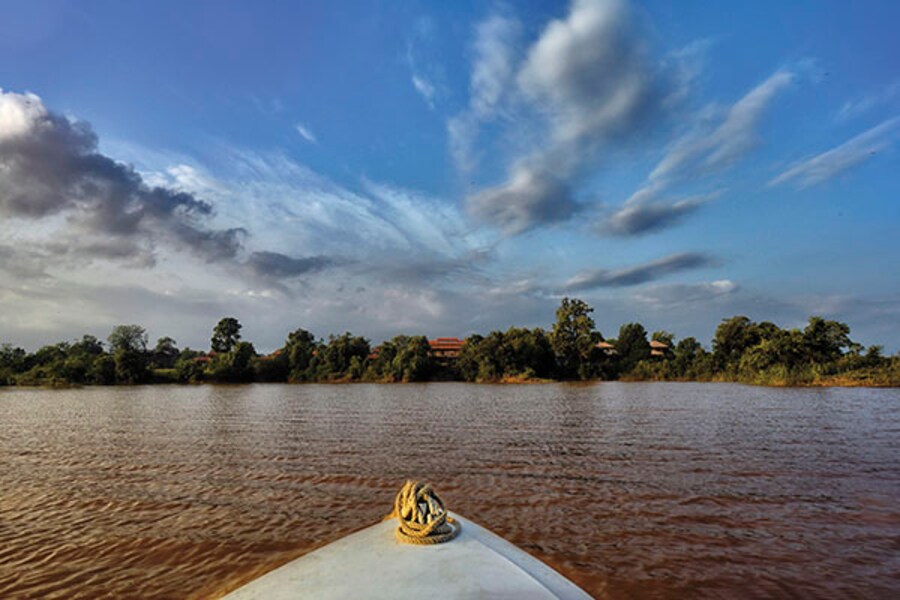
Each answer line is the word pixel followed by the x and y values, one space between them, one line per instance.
pixel 372 564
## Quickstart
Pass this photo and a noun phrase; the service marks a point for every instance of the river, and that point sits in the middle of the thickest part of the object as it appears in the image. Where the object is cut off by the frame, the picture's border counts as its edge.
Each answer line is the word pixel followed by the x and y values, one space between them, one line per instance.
pixel 631 490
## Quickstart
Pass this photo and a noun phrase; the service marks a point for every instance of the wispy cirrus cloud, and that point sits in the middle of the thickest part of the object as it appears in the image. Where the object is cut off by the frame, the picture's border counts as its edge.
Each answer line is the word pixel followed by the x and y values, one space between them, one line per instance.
pixel 703 149
pixel 866 102
pixel 715 141
pixel 493 68
pixel 827 165
pixel 423 74
pixel 306 133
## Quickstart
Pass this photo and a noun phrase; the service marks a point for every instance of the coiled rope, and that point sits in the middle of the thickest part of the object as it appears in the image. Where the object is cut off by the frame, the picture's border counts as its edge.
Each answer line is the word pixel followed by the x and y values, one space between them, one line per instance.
pixel 422 516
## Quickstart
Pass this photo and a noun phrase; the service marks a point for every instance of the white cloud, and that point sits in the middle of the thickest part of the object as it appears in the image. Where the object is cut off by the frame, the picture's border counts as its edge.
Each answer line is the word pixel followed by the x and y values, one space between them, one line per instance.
pixel 714 141
pixel 590 79
pixel 851 153
pixel 306 133
pixel 734 135
pixel 425 89
pixel 590 71
pixel 492 72
pixel 19 114
pixel 866 102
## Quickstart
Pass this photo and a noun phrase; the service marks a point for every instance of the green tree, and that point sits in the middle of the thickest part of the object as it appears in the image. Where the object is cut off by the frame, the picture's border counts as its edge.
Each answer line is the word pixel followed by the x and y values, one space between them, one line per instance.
pixel 88 345
pixel 165 353
pixel 132 338
pixel 102 371
pixel 12 362
pixel 187 368
pixel 824 340
pixel 686 357
pixel 226 334
pixel 299 348
pixel 574 339
pixel 632 346
pixel 405 358
pixel 130 366
pixel 333 361
pixel 128 346
pixel 733 337
pixel 235 365
pixel 271 368
pixel 529 352
pixel 467 365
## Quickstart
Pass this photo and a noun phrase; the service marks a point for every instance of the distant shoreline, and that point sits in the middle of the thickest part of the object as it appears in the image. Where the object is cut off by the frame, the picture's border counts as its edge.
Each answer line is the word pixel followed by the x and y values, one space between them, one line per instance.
pixel 826 383
pixel 821 354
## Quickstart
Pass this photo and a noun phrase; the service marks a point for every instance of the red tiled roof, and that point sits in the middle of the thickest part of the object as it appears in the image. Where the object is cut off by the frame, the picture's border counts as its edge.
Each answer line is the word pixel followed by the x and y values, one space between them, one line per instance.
pixel 446 344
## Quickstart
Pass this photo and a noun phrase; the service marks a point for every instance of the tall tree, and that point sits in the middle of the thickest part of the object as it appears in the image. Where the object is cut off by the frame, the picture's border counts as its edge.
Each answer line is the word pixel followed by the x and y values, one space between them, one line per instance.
pixel 165 353
pixel 825 340
pixel 632 346
pixel 226 334
pixel 733 337
pixel 574 339
pixel 128 345
pixel 132 338
pixel 299 348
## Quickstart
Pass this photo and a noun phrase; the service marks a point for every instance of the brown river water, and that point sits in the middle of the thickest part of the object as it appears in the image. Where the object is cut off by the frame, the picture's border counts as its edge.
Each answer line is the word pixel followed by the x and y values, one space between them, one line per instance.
pixel 631 490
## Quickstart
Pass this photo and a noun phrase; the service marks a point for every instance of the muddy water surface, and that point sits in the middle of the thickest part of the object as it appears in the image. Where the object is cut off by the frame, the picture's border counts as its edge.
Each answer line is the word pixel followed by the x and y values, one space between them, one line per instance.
pixel 631 490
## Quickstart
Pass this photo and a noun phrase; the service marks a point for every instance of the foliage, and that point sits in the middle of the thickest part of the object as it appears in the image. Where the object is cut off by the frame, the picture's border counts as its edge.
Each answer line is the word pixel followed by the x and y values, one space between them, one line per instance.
pixel 822 353
pixel 341 359
pixel 632 346
pixel 131 338
pixel 165 353
pixel 574 340
pixel 234 366
pixel 226 334
pixel 404 358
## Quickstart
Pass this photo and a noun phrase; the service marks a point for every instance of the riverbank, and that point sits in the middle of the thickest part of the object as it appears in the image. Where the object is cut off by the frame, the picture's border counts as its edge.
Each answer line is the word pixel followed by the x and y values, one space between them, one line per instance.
pixel 841 381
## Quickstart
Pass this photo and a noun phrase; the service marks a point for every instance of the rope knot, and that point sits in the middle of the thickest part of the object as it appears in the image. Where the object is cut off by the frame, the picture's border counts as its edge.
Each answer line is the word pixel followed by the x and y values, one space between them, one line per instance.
pixel 422 516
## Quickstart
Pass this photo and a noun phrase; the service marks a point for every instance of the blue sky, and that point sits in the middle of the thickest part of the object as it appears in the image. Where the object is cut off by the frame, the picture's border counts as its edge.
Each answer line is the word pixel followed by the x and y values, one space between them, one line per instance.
pixel 445 168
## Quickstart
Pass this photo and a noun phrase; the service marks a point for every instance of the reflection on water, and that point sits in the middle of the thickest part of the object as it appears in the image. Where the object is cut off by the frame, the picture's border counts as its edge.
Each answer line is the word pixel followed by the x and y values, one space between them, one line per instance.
pixel 631 490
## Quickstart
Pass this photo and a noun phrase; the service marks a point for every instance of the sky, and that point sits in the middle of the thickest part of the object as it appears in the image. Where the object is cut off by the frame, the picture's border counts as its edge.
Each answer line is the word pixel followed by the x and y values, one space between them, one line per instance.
pixel 445 168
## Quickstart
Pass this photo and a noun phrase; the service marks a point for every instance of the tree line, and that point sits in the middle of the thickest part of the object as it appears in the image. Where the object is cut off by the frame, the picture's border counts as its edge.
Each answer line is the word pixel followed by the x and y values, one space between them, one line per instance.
pixel 572 349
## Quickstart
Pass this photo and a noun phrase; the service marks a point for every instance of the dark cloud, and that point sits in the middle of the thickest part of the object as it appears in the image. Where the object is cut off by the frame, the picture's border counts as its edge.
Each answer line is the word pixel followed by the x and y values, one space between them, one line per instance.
pixel 52 165
pixel 530 198
pixel 598 278
pixel 645 217
pixel 281 266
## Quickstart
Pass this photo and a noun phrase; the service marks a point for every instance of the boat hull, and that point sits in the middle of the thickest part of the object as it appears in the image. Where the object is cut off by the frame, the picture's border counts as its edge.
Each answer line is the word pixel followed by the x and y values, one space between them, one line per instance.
pixel 372 564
